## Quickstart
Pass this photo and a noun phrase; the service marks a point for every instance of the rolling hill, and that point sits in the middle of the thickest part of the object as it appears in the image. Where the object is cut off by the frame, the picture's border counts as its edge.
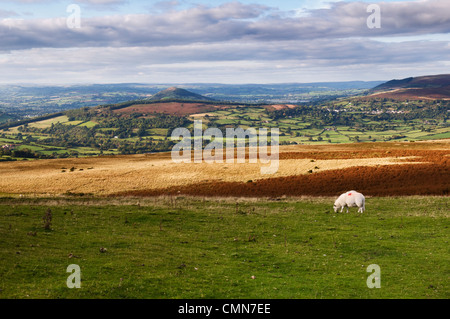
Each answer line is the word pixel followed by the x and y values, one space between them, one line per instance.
pixel 433 87
pixel 181 102
pixel 144 126
pixel 174 93
pixel 174 101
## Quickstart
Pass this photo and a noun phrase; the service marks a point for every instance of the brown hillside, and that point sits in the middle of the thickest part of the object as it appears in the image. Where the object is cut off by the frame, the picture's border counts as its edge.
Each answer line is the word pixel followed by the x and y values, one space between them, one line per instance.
pixel 185 108
pixel 317 170
pixel 418 88
pixel 429 175
pixel 176 108
pixel 416 94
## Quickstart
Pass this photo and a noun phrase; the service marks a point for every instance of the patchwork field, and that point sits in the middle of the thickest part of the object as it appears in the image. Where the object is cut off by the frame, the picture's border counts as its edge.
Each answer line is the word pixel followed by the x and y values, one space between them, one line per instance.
pixel 420 168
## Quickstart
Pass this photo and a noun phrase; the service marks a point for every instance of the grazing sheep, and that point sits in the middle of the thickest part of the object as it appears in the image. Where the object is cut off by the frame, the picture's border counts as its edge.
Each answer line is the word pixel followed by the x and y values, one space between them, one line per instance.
pixel 350 199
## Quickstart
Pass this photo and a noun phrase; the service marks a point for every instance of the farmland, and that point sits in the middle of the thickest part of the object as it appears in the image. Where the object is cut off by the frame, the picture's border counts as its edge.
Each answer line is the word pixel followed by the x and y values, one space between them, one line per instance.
pixel 138 128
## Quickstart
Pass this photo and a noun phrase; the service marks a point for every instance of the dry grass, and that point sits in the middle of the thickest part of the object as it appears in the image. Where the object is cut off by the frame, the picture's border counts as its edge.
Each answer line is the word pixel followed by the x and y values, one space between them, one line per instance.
pixel 118 174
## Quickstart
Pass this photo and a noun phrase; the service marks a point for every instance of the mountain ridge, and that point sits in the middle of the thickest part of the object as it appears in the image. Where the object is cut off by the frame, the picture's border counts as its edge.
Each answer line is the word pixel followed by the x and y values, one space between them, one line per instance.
pixel 431 87
pixel 174 93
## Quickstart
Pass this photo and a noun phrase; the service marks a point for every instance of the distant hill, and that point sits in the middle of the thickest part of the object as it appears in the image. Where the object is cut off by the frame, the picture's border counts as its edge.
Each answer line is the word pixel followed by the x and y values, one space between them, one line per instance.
pixel 31 100
pixel 431 87
pixel 174 101
pixel 177 94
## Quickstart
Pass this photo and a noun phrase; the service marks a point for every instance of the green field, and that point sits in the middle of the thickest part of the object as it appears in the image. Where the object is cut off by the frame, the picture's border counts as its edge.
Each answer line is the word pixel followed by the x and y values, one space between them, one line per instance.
pixel 198 248
pixel 331 123
pixel 89 124
pixel 47 123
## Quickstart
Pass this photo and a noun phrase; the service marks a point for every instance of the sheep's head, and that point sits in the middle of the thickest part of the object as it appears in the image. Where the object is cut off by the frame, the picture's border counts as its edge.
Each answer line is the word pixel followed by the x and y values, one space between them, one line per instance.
pixel 336 206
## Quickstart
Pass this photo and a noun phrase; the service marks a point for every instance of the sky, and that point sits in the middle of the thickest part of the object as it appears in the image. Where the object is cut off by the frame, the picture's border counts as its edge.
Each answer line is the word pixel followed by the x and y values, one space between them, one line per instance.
pixel 231 42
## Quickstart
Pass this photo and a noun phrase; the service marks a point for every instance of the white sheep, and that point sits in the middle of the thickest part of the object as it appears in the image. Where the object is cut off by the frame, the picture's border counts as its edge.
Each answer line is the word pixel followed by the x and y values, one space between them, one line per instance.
pixel 350 199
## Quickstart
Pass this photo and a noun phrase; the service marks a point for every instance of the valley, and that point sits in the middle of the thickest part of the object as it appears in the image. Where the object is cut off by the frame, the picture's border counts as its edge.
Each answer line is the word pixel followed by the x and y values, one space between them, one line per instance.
pixel 145 127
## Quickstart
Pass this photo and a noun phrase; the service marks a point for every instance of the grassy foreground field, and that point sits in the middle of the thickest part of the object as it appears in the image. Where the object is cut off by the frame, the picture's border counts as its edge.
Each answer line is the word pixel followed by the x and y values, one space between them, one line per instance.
pixel 179 247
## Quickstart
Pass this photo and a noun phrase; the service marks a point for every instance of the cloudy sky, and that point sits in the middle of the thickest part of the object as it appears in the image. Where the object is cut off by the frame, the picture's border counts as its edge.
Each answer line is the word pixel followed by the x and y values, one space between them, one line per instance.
pixel 243 41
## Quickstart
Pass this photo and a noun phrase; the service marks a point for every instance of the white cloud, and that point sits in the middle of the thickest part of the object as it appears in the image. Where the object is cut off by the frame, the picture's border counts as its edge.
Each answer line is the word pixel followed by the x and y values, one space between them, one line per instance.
pixel 228 22
pixel 249 42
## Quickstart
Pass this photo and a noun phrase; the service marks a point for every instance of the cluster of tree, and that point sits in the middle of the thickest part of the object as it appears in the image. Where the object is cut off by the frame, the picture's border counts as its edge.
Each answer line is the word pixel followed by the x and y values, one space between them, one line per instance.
pixel 12 155
pixel 30 120
pixel 136 125
pixel 331 114
pixel 145 146
pixel 320 116
pixel 81 114
pixel 108 134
